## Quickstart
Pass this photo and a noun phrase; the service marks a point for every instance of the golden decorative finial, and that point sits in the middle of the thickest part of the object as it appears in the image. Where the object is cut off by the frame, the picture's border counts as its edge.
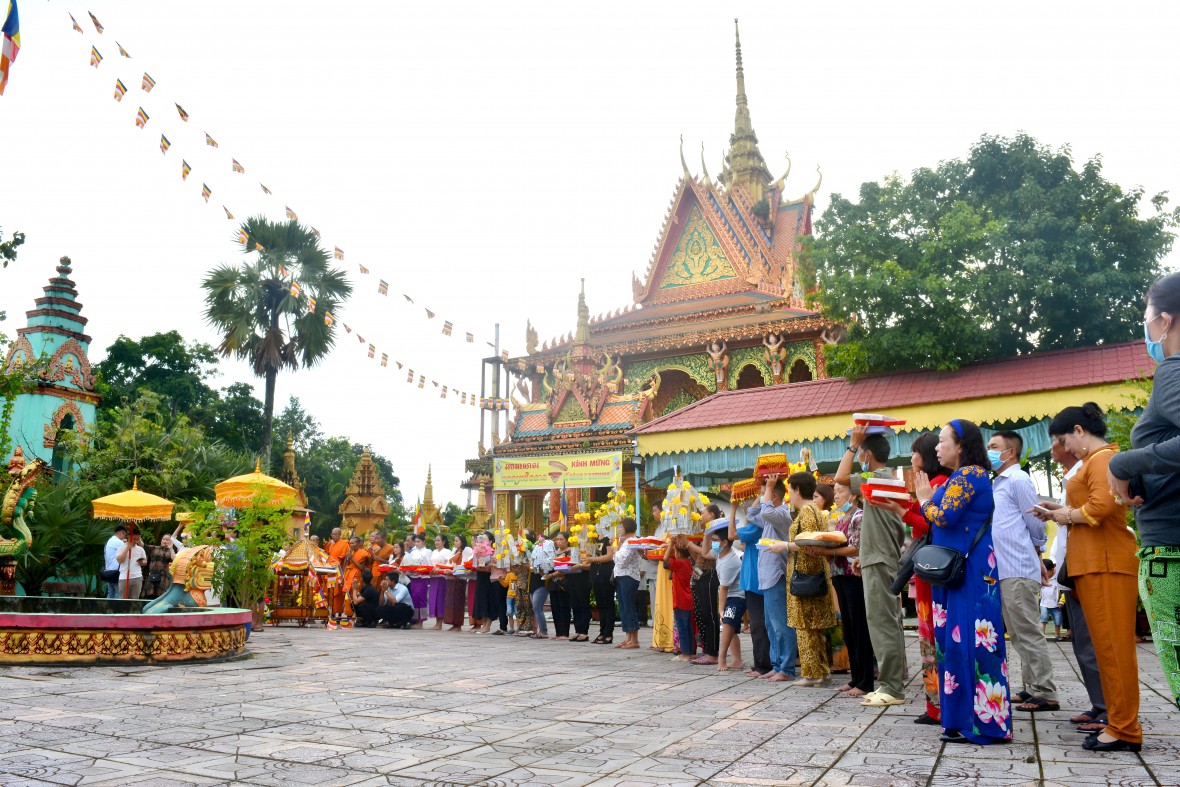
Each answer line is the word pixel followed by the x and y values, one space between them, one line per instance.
pixel 704 169
pixel 134 482
pixel 744 164
pixel 743 113
pixel 684 164
pixel 583 332
pixel 778 184
pixel 258 465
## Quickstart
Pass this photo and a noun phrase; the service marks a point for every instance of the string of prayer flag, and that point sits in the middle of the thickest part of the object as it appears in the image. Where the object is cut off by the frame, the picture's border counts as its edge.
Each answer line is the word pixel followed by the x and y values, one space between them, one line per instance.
pixel 228 215
pixel 183 114
pixel 120 90
pixel 95 57
pixel 141 118
pixel 74 22
pixel 184 169
pixel 164 144
pixel 97 26
pixel 238 167
pixel 122 51
pixel 205 192
pixel 148 83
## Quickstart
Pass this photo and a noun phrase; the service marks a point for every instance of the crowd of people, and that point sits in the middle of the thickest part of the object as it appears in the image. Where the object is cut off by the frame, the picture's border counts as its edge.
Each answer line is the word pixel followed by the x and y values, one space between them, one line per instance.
pixel 972 501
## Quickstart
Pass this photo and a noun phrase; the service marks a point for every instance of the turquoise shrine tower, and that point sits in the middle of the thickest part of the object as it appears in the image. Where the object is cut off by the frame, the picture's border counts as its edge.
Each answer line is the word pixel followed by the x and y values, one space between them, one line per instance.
pixel 64 398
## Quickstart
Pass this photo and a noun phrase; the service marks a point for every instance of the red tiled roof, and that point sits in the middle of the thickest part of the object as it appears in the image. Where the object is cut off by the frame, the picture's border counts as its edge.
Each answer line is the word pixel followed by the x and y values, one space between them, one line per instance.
pixel 1109 363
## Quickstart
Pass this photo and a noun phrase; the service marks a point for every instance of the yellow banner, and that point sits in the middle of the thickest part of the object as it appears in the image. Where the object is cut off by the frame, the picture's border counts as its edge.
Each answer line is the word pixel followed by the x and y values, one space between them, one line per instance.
pixel 551 472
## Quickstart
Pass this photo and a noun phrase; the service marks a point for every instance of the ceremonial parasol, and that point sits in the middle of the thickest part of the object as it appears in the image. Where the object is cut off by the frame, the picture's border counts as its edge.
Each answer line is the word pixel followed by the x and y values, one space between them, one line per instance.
pixel 239 491
pixel 132 506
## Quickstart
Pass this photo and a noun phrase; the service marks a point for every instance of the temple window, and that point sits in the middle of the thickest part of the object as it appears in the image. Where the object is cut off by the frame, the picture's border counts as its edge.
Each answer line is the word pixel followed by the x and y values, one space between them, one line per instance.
pixel 60 461
pixel 800 372
pixel 750 377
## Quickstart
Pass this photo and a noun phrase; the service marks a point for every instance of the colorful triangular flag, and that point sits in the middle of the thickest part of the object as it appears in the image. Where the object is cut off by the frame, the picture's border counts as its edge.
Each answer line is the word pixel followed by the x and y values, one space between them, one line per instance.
pixel 364 270
pixel 122 51
pixel 329 319
pixel 120 90
pixel 183 114
pixel 74 22
pixel 444 393
pixel 228 215
pixel 265 190
pixel 205 192
pixel 429 314
pixel 95 57
pixel 470 338
pixel 237 167
pixel 141 118
pixel 97 26
pixel 421 381
pixel 383 287
pixel 164 144
pixel 291 214
pixel 243 238
pixel 372 351
pixel 148 83
pixel 447 326
pixel 346 328
pixel 295 288
pixel 338 253
pixel 384 359
pixel 316 232
pixel 410 376
pixel 210 141
pixel 184 169
pixel 282 270
pixel 311 304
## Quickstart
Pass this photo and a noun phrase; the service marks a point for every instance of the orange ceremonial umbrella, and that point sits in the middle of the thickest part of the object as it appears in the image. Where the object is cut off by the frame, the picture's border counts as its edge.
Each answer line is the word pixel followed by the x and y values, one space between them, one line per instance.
pixel 240 490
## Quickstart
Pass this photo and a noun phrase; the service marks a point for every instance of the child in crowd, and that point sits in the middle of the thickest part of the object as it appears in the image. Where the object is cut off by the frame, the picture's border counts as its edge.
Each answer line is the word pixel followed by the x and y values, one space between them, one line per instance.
pixel 732 602
pixel 678 560
pixel 511 602
pixel 1050 600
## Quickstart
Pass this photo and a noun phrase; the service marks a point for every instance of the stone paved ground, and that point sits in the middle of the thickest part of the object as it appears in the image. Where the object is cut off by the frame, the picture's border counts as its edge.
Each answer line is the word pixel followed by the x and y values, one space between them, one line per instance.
pixel 377 707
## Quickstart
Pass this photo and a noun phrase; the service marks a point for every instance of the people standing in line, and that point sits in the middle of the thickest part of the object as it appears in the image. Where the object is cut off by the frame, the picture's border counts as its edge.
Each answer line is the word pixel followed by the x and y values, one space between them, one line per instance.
pixel 522 584
pixel 628 562
pixel 809 616
pixel 663 638
pixel 924 459
pixel 540 564
pixel 1019 539
pixel 731 604
pixel 602 582
pixel 974 701
pixel 1147 477
pixel 382 551
pixel 419 555
pixel 358 562
pixel 704 589
pixel 1094 719
pixel 850 594
pixel 1101 561
pixel 881 538
pixel 338 550
pixel 763 577
pixel 578 585
pixel 436 594
pixel 678 561
pixel 559 594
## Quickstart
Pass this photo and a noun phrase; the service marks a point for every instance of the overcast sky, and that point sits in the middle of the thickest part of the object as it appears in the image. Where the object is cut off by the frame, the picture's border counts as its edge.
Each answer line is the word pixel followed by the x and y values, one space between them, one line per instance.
pixel 483 157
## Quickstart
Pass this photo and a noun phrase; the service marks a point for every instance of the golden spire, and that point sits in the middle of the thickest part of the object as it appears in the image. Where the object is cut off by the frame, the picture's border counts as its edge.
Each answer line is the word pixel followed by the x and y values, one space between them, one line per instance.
pixel 583 333
pixel 744 164
pixel 428 498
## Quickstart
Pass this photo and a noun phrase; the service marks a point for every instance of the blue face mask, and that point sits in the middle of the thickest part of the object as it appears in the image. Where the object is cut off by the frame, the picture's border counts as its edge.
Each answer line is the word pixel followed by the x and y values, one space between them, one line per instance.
pixel 844 509
pixel 864 467
pixel 716 547
pixel 994 458
pixel 1154 349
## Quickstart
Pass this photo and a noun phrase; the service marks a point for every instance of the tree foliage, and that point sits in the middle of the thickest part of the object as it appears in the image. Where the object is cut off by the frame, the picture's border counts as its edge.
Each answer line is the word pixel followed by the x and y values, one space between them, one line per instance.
pixel 1008 251
pixel 242 570
pixel 260 320
pixel 67 542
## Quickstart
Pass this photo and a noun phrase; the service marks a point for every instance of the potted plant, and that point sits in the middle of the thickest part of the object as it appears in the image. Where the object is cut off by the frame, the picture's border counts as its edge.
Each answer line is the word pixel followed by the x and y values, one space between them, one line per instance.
pixel 243 571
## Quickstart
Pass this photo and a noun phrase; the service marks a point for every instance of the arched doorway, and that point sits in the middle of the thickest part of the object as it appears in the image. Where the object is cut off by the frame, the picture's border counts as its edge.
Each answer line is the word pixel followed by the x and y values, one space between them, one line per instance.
pixel 750 377
pixel 677 389
pixel 800 372
pixel 60 461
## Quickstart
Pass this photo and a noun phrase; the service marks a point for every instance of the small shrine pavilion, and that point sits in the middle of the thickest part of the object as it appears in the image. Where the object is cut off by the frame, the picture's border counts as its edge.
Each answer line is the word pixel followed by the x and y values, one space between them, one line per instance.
pixel 364 507
pixel 720 307
pixel 64 398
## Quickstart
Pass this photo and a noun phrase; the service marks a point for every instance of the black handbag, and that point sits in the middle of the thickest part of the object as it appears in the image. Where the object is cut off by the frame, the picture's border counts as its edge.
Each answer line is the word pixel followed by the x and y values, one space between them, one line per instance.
pixel 905 564
pixel 109 575
pixel 1063 578
pixel 943 566
pixel 808 585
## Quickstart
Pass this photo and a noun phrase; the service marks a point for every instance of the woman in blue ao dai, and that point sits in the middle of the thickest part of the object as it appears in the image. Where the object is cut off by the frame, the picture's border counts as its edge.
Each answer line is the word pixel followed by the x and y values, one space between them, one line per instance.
pixel 968 625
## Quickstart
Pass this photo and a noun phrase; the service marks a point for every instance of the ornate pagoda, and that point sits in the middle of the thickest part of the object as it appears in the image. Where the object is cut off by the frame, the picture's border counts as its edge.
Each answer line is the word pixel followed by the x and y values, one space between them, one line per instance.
pixel 720 307
pixel 364 507
pixel 64 398
pixel 428 511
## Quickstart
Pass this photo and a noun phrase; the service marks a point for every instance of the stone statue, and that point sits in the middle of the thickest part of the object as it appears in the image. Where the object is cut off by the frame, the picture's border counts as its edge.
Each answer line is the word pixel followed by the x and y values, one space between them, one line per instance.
pixel 647 398
pixel 719 363
pixel 18 501
pixel 192 576
pixel 530 338
pixel 776 355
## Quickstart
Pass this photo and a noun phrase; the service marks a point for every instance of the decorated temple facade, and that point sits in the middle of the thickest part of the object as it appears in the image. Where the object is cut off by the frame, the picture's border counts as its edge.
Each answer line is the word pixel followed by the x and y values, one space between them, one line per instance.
pixel 720 307
pixel 365 507
pixel 64 398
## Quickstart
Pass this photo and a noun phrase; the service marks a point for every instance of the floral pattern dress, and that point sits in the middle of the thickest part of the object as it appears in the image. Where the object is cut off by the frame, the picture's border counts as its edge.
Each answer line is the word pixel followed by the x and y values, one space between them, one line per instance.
pixel 968 625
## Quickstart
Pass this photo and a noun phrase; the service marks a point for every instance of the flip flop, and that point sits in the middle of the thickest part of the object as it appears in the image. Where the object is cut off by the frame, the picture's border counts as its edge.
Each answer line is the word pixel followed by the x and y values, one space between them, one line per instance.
pixel 876 699
pixel 701 660
pixel 1039 704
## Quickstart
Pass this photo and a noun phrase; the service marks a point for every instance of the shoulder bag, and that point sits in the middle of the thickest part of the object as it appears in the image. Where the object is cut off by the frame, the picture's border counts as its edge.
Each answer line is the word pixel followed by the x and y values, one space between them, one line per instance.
pixel 905 564
pixel 807 585
pixel 944 566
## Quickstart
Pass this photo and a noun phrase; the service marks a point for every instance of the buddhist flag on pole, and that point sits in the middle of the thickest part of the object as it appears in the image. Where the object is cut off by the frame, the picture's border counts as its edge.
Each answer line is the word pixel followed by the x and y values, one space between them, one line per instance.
pixel 447 328
pixel 95 57
pixel 183 114
pixel 148 83
pixel 184 169
pixel 311 304
pixel 291 214
pixel 97 26
pixel 141 118
pixel 338 253
pixel 122 51
pixel 210 141
pixel 205 192
pixel 9 43
pixel 238 167
pixel 164 144
pixel 120 90
pixel 228 215
pixel 383 287
pixel 418 526
pixel 384 359
pixel 295 288
pixel 372 351
pixel 74 22
pixel 329 319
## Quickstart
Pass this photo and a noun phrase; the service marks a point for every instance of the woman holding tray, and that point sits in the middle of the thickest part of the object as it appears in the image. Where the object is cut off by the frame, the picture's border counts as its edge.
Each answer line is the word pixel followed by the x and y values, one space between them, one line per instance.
pixel 454 604
pixel 974 702
pixel 559 593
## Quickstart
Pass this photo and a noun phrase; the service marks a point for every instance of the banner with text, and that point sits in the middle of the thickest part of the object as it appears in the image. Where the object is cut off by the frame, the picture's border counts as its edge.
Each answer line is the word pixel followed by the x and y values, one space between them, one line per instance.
pixel 574 471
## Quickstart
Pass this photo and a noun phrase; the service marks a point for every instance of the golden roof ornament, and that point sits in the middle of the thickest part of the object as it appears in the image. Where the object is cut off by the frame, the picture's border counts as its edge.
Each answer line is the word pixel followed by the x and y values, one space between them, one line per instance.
pixel 583 332
pixel 744 164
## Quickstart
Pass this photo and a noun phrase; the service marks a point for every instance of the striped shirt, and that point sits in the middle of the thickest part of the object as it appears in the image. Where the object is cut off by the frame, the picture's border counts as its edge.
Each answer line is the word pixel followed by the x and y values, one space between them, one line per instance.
pixel 1018 536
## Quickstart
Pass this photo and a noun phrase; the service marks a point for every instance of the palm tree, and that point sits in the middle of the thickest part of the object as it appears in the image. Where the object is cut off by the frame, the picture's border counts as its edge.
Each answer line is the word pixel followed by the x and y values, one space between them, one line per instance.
pixel 251 305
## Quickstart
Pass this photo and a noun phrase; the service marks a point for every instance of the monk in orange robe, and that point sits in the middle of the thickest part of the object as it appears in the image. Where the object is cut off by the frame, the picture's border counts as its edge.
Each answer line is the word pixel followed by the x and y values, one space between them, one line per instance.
pixel 338 551
pixel 359 560
pixel 380 549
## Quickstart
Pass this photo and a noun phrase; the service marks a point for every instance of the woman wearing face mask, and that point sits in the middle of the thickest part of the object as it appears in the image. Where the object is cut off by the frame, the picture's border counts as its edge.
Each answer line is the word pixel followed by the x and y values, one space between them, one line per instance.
pixel 850 594
pixel 1148 477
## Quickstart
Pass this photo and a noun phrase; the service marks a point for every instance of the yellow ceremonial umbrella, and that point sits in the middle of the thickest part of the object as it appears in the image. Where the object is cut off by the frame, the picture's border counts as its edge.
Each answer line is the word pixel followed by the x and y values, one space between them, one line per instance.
pixel 240 490
pixel 132 506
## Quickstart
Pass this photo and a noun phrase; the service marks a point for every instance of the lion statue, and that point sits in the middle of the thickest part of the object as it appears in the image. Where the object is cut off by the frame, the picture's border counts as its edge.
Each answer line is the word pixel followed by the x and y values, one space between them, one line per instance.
pixel 192 576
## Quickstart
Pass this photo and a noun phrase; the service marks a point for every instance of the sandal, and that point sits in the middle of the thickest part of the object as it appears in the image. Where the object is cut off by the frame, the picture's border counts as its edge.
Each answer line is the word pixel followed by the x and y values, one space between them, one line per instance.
pixel 1038 705
pixel 607 640
pixel 701 660
pixel 598 640
pixel 1085 717
pixel 1092 728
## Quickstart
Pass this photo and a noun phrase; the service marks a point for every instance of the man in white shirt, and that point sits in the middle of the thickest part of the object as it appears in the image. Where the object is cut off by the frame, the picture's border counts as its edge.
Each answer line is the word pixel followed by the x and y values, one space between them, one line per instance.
pixel 394 605
pixel 110 563
pixel 1018 538
pixel 131 558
